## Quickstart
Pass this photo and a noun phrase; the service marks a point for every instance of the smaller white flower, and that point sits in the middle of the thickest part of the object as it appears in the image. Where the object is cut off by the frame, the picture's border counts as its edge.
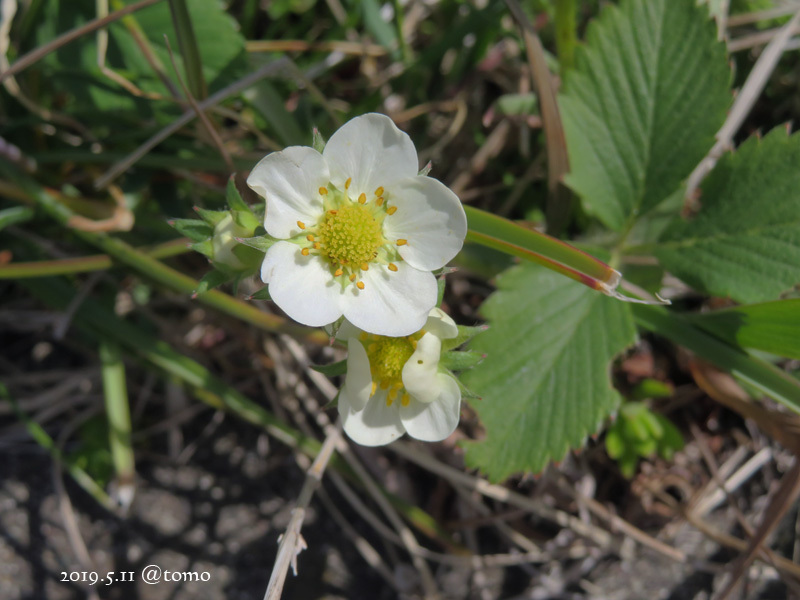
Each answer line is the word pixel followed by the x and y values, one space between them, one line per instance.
pixel 359 230
pixel 394 386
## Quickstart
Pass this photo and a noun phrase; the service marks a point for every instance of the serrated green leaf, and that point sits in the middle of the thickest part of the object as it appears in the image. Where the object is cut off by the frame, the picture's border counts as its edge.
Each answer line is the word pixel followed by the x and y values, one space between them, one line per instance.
pixel 545 382
pixel 333 369
pixel 195 229
pixel 641 107
pixel 745 241
pixel 773 327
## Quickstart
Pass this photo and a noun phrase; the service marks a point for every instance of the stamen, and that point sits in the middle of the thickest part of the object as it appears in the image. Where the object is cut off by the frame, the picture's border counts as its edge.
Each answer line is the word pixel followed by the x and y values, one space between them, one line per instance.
pixel 310 237
pixel 379 201
pixel 392 267
pixel 389 401
pixel 347 183
pixel 362 198
pixel 323 191
pixel 391 210
pixel 352 276
pixel 405 399
pixel 379 191
pixel 360 285
pixel 374 388
pixel 364 267
pixel 393 394
pixel 317 246
pixel 338 273
pixel 401 242
pixel 333 212
pixel 301 225
pixel 304 251
pixel 385 383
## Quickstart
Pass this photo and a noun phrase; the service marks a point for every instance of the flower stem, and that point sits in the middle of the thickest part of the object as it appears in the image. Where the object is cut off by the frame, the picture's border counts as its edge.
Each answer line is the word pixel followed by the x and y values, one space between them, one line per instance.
pixel 504 235
pixel 85 264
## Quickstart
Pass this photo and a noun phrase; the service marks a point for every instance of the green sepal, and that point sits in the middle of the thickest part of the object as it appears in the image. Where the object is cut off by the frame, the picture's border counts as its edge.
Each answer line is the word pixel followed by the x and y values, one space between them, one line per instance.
pixel 262 243
pixel 262 294
pixel 212 217
pixel 465 391
pixel 440 294
pixel 194 229
pixel 211 280
pixel 234 198
pixel 333 403
pixel 333 369
pixel 246 220
pixel 206 248
pixel 317 141
pixel 459 361
pixel 465 334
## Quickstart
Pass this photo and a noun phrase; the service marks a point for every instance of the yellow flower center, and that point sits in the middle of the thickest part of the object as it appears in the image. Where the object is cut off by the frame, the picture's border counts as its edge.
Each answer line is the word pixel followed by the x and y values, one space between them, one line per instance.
pixel 387 357
pixel 349 235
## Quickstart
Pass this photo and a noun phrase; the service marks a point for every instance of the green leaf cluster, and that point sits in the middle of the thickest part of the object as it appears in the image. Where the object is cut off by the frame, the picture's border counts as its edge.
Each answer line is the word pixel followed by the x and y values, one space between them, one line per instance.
pixel 640 433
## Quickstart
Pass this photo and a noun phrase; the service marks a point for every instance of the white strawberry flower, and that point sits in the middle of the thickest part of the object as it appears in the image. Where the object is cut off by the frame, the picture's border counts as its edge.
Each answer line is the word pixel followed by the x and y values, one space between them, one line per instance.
pixel 359 230
pixel 394 385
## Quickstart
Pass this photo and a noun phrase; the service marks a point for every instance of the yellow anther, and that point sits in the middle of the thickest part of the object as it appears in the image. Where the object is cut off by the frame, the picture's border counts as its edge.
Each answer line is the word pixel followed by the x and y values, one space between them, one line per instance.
pixel 362 198
pixel 317 246
pixel 323 191
pixel 347 183
pixel 391 210
pixel 333 212
pixel 385 383
pixel 304 251
pixel 372 347
pixel 401 242
pixel 360 285
pixel 338 273
pixel 364 267
pixel 310 237
pixel 363 336
pixel 392 394
pixel 388 401
pixel 301 225
pixel 374 388
pixel 405 399
pixel 352 276
pixel 379 201
pixel 392 267
pixel 413 344
pixel 379 191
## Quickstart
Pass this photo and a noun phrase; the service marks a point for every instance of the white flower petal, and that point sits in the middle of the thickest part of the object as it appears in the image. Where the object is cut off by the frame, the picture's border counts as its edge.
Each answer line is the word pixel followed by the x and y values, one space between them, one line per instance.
pixel 391 303
pixel 372 151
pixel 358 380
pixel 441 325
pixel 376 425
pixel 302 286
pixel 435 421
pixel 430 217
pixel 420 371
pixel 290 182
